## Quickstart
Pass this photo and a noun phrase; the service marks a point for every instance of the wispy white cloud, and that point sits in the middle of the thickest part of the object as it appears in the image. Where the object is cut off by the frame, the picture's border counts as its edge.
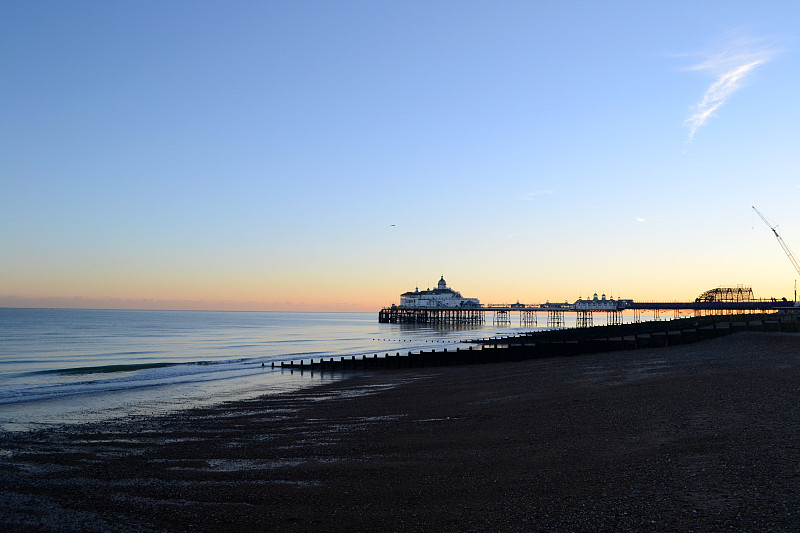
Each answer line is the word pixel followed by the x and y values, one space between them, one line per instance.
pixel 730 68
pixel 531 195
pixel 641 220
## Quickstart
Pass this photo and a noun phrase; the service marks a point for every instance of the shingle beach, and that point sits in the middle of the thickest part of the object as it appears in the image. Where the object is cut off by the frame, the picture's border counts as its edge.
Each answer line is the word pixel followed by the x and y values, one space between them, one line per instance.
pixel 699 437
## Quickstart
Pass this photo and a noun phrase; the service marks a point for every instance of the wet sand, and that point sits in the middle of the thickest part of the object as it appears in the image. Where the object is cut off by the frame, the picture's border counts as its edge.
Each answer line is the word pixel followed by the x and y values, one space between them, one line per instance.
pixel 701 437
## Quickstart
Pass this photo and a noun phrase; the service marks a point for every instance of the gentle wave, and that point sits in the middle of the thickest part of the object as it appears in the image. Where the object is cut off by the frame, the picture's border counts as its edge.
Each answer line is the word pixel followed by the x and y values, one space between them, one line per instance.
pixel 132 367
pixel 106 369
pixel 125 377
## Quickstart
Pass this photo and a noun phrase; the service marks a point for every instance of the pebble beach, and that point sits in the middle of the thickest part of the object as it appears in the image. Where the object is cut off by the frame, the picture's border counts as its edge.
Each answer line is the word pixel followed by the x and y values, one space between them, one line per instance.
pixel 699 437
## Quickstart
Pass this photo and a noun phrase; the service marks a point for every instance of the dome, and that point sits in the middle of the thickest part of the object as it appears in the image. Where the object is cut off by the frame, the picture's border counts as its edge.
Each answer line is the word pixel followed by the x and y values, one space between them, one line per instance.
pixel 442 283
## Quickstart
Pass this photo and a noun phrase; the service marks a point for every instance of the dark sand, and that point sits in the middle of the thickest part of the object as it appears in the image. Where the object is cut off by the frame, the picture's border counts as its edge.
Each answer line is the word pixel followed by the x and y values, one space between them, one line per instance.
pixel 703 437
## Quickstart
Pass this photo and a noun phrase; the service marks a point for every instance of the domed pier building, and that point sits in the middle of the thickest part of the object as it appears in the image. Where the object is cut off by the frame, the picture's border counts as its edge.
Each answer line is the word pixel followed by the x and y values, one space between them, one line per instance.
pixel 440 297
pixel 442 306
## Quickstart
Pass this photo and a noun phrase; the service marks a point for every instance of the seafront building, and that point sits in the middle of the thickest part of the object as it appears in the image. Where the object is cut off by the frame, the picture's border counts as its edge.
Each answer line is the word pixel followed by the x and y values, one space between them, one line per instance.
pixel 601 304
pixel 440 297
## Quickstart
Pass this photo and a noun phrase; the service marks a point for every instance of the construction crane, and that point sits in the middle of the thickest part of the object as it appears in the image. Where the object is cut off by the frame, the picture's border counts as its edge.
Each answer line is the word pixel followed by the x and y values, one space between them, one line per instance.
pixel 783 245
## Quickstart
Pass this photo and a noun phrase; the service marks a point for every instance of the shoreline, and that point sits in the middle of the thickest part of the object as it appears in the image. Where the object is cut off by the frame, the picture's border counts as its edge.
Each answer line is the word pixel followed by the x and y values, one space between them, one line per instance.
pixel 690 437
pixel 107 406
pixel 74 364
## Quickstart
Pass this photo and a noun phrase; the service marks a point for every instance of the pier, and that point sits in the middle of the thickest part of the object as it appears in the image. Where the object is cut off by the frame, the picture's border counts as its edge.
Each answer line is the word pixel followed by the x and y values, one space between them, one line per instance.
pixel 554 316
pixel 719 301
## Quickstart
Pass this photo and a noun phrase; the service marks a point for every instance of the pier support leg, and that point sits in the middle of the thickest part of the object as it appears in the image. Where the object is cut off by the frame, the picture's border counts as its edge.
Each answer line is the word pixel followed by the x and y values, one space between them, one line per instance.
pixel 584 319
pixel 555 319
pixel 528 318
pixel 502 318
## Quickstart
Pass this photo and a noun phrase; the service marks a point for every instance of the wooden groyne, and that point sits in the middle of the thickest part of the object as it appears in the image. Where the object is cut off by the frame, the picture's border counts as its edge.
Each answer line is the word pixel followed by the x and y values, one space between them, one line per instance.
pixel 559 343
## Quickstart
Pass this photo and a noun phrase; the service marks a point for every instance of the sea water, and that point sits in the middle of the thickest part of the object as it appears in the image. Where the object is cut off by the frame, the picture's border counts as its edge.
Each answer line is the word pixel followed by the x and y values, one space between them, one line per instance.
pixel 73 365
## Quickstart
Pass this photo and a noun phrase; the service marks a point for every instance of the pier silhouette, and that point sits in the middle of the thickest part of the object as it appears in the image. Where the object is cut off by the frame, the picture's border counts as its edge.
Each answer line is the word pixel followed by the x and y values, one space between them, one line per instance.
pixel 718 301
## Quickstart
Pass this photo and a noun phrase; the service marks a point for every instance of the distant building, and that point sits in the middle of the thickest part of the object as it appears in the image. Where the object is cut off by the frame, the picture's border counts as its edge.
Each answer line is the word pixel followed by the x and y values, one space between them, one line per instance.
pixel 441 296
pixel 601 304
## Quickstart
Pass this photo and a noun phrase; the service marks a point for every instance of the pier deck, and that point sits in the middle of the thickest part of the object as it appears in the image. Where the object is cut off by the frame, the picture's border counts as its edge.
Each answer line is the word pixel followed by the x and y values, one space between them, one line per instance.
pixel 476 315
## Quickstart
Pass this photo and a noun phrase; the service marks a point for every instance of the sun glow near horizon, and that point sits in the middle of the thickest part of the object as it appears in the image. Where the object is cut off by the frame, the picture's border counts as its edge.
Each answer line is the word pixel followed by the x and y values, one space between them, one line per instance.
pixel 316 297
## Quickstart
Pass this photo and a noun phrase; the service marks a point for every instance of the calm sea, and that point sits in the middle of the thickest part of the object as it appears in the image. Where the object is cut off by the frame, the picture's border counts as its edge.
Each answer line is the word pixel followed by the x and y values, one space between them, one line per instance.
pixel 72 365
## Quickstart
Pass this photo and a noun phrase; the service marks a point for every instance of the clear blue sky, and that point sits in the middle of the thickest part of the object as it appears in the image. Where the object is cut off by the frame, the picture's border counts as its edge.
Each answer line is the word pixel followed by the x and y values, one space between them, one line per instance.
pixel 330 155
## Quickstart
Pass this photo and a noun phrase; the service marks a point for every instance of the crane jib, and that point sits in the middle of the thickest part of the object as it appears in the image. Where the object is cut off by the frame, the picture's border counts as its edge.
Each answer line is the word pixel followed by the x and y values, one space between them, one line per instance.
pixel 780 240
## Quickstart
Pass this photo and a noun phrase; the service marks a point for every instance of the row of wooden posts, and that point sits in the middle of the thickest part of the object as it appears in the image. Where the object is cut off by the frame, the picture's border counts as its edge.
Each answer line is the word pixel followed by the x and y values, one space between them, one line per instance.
pixel 558 343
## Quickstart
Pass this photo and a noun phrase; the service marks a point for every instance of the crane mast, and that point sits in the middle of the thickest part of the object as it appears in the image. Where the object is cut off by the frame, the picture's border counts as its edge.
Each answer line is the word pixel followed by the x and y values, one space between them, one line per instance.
pixel 783 244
